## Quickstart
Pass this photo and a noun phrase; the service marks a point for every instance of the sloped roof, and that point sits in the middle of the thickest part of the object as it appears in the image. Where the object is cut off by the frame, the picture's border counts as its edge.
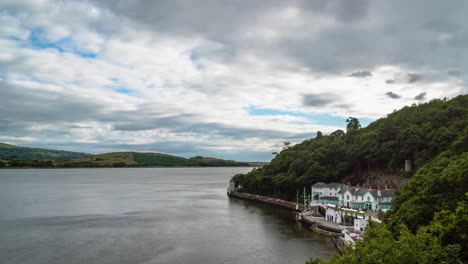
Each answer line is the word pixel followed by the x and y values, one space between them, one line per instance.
pixel 334 184
pixel 361 191
pixel 347 188
pixel 342 190
pixel 320 184
pixel 387 193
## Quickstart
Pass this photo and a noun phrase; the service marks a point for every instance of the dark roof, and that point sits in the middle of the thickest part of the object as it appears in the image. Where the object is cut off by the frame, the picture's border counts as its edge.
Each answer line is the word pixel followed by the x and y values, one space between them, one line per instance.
pixel 373 192
pixel 361 191
pixel 319 184
pixel 342 190
pixel 328 198
pixel 387 193
pixel 347 188
pixel 334 184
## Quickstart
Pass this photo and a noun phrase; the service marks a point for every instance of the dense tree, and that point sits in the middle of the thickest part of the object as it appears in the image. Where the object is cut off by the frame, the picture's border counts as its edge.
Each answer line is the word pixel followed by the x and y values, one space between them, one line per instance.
pixel 418 133
pixel 429 219
pixel 427 224
pixel 319 134
pixel 352 124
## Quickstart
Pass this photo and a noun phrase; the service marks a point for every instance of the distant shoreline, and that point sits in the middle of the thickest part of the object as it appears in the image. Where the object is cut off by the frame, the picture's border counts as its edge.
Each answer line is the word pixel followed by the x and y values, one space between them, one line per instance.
pixel 136 167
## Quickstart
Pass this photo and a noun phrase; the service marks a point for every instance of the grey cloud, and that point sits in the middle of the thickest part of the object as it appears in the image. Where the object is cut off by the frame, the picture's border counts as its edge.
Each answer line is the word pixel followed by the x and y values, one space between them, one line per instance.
pixel 343 106
pixel 420 96
pixel 23 108
pixel 317 100
pixel 150 121
pixel 454 73
pixel 351 11
pixel 392 95
pixel 390 81
pixel 183 124
pixel 406 32
pixel 360 74
pixel 414 77
pixel 29 105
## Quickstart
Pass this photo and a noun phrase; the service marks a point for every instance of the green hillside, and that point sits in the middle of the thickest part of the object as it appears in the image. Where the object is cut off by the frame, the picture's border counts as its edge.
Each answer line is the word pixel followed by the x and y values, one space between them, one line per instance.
pixel 9 151
pixel 137 159
pixel 428 222
pixel 14 156
pixel 417 133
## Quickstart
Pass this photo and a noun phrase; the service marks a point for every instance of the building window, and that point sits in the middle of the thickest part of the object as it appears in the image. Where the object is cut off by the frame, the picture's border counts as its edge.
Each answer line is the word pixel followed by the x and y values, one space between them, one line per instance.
pixel 347 197
pixel 368 198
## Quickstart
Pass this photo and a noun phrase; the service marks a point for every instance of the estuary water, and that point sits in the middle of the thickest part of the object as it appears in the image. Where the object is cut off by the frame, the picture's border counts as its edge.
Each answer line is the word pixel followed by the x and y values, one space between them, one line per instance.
pixel 143 215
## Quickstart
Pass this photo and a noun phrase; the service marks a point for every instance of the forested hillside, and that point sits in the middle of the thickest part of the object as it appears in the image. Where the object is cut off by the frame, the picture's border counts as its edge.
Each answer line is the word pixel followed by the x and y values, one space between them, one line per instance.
pixel 417 133
pixel 9 151
pixel 428 222
pixel 13 156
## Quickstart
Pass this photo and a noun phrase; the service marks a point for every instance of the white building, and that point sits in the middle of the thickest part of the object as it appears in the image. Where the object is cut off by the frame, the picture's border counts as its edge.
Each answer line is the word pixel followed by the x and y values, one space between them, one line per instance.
pixel 352 197
pixel 360 224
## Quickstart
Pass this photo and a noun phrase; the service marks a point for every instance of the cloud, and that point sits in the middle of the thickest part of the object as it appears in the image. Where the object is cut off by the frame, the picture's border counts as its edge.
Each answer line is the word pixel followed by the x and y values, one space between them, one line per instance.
pixel 414 77
pixel 360 74
pixel 317 100
pixel 420 97
pixel 454 73
pixel 177 76
pixel 392 95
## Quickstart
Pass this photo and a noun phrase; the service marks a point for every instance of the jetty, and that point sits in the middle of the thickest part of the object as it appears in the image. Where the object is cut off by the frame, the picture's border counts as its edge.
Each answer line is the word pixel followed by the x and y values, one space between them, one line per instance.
pixel 279 203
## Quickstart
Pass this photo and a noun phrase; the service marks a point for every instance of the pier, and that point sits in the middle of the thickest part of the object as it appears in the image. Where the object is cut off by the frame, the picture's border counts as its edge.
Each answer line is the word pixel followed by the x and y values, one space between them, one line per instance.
pixel 268 200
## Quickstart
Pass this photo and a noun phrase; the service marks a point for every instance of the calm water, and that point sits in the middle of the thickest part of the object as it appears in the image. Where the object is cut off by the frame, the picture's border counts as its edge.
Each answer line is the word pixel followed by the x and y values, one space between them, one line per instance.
pixel 153 215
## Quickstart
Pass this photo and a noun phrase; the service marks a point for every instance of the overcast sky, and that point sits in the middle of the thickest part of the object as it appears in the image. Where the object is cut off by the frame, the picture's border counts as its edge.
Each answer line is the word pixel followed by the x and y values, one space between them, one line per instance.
pixel 231 79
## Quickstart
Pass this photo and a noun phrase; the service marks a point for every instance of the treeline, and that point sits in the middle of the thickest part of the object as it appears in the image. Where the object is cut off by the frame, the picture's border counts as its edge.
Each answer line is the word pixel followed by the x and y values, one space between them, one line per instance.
pixel 417 133
pixel 122 159
pixel 10 151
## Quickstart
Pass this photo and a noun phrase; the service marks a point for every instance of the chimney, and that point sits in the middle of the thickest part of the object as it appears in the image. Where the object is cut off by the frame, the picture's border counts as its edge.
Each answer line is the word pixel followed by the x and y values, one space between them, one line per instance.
pixel 407 165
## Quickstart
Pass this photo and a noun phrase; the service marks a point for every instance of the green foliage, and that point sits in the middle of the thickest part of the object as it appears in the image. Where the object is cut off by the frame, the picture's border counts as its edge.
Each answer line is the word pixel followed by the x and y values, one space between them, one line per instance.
pixel 15 162
pixel 428 222
pixel 157 159
pixel 452 226
pixel 213 162
pixel 418 133
pixel 119 164
pixel 381 246
pixel 434 188
pixel 7 151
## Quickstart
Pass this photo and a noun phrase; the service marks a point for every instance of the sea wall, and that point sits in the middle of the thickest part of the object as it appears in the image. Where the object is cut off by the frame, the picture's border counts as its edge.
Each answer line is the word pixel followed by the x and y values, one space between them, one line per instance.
pixel 267 200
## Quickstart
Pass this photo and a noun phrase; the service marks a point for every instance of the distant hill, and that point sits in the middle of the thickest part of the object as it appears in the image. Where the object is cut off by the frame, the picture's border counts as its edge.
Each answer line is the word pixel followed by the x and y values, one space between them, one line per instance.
pixel 11 151
pixel 14 156
pixel 137 159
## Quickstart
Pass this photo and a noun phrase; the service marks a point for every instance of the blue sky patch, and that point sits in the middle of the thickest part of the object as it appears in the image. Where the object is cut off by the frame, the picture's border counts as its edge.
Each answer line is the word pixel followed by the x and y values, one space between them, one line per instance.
pixel 124 90
pixel 320 119
pixel 37 40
